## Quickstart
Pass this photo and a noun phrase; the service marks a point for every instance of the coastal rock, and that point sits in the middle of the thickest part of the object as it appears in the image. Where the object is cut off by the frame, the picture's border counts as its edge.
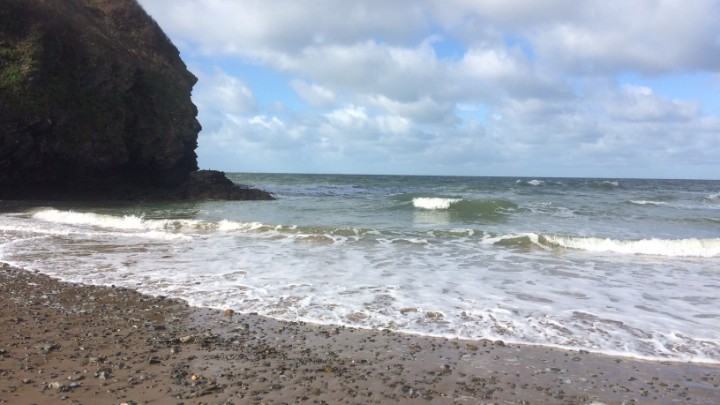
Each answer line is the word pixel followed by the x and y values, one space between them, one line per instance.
pixel 212 184
pixel 95 103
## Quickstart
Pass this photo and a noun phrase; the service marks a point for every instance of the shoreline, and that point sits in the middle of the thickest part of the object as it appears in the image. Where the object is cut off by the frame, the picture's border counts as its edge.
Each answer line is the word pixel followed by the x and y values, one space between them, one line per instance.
pixel 80 344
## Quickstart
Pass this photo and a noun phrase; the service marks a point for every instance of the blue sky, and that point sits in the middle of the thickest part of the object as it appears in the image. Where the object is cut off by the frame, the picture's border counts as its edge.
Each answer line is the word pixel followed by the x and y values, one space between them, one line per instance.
pixel 454 87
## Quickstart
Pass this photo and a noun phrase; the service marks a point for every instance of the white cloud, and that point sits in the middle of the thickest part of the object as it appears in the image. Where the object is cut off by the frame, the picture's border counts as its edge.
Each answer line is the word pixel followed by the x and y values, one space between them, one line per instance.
pixel 263 122
pixel 647 36
pixel 351 117
pixel 638 103
pixel 224 93
pixel 367 67
pixel 394 124
pixel 373 86
pixel 230 26
pixel 425 110
pixel 313 94
pixel 599 36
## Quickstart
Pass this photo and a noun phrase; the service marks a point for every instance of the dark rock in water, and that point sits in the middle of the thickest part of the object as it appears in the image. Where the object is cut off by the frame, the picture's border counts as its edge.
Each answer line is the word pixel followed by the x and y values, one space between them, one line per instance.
pixel 95 103
pixel 211 184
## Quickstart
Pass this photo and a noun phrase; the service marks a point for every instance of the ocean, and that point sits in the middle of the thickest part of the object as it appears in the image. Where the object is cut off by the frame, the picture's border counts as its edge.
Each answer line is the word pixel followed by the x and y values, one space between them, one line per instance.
pixel 625 267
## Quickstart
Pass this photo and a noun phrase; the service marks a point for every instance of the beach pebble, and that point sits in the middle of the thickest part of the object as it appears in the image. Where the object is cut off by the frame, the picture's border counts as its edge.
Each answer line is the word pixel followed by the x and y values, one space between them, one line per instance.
pixel 56 385
pixel 46 347
pixel 186 339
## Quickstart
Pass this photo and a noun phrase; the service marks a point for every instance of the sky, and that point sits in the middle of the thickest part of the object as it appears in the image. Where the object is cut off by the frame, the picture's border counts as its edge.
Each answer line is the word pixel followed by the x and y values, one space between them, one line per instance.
pixel 593 88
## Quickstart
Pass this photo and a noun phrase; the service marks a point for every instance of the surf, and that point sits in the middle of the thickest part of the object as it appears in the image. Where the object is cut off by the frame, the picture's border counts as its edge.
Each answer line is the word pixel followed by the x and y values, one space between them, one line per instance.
pixel 691 247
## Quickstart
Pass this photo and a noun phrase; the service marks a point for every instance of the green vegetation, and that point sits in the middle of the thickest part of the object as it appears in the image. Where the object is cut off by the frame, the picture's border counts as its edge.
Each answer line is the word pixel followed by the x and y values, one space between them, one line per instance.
pixel 18 62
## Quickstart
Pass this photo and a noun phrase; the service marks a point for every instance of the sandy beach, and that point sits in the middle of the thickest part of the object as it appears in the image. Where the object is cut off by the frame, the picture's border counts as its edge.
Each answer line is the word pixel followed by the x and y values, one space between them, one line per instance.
pixel 68 343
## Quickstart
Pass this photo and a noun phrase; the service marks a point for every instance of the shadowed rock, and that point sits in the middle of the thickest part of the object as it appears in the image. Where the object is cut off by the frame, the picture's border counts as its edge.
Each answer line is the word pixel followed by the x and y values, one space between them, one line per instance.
pixel 95 103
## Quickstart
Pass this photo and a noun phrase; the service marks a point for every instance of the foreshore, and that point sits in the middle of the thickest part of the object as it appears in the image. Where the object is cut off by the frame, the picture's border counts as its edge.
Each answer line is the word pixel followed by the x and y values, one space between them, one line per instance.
pixel 75 344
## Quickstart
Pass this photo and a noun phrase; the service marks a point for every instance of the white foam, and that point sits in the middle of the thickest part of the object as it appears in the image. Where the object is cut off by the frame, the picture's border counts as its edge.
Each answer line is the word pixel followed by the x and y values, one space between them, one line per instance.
pixel 533 182
pixel 80 218
pixel 647 202
pixel 161 235
pixel 430 278
pixel 459 289
pixel 153 227
pixel 33 229
pixel 434 203
pixel 659 247
pixel 228 226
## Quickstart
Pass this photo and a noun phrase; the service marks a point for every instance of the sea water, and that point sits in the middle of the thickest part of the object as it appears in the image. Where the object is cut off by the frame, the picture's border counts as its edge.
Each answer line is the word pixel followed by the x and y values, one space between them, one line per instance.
pixel 628 267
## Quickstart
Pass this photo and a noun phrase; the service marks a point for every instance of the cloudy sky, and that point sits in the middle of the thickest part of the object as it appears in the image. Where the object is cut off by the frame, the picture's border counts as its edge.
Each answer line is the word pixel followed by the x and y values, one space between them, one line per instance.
pixel 454 87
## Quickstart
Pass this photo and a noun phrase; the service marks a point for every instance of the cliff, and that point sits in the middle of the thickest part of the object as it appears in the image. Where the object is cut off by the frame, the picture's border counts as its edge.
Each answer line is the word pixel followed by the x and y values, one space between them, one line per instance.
pixel 95 102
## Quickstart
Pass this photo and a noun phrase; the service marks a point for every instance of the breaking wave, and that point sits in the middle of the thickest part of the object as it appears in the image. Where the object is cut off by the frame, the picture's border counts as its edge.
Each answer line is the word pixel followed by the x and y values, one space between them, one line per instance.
pixel 140 223
pixel 463 205
pixel 656 247
pixel 434 203
pixel 648 202
pixel 659 247
pixel 533 182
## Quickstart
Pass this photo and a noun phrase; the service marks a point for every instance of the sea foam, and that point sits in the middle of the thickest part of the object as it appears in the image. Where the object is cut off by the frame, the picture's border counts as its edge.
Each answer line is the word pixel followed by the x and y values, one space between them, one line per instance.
pixel 434 203
pixel 659 247
pixel 647 202
pixel 126 222
pixel 466 258
pixel 152 227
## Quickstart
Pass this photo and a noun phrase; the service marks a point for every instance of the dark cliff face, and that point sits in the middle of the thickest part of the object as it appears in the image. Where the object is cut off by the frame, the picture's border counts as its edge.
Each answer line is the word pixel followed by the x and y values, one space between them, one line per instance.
pixel 93 97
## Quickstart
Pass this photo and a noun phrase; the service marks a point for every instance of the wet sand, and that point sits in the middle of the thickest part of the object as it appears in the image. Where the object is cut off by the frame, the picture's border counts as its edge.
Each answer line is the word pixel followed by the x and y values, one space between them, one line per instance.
pixel 73 344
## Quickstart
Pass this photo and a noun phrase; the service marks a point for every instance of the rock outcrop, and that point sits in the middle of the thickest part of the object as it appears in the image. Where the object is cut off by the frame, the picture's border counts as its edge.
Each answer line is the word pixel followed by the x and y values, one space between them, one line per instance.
pixel 95 102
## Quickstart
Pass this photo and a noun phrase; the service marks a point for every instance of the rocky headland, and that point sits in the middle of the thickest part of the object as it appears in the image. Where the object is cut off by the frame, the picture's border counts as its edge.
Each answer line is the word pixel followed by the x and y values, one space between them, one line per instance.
pixel 95 103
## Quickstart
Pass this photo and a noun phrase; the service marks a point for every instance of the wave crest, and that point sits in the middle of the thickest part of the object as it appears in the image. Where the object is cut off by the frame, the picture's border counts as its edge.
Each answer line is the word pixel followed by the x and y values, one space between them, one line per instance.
pixel 140 223
pixel 434 203
pixel 655 247
pixel 647 202
pixel 658 247
pixel 533 182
